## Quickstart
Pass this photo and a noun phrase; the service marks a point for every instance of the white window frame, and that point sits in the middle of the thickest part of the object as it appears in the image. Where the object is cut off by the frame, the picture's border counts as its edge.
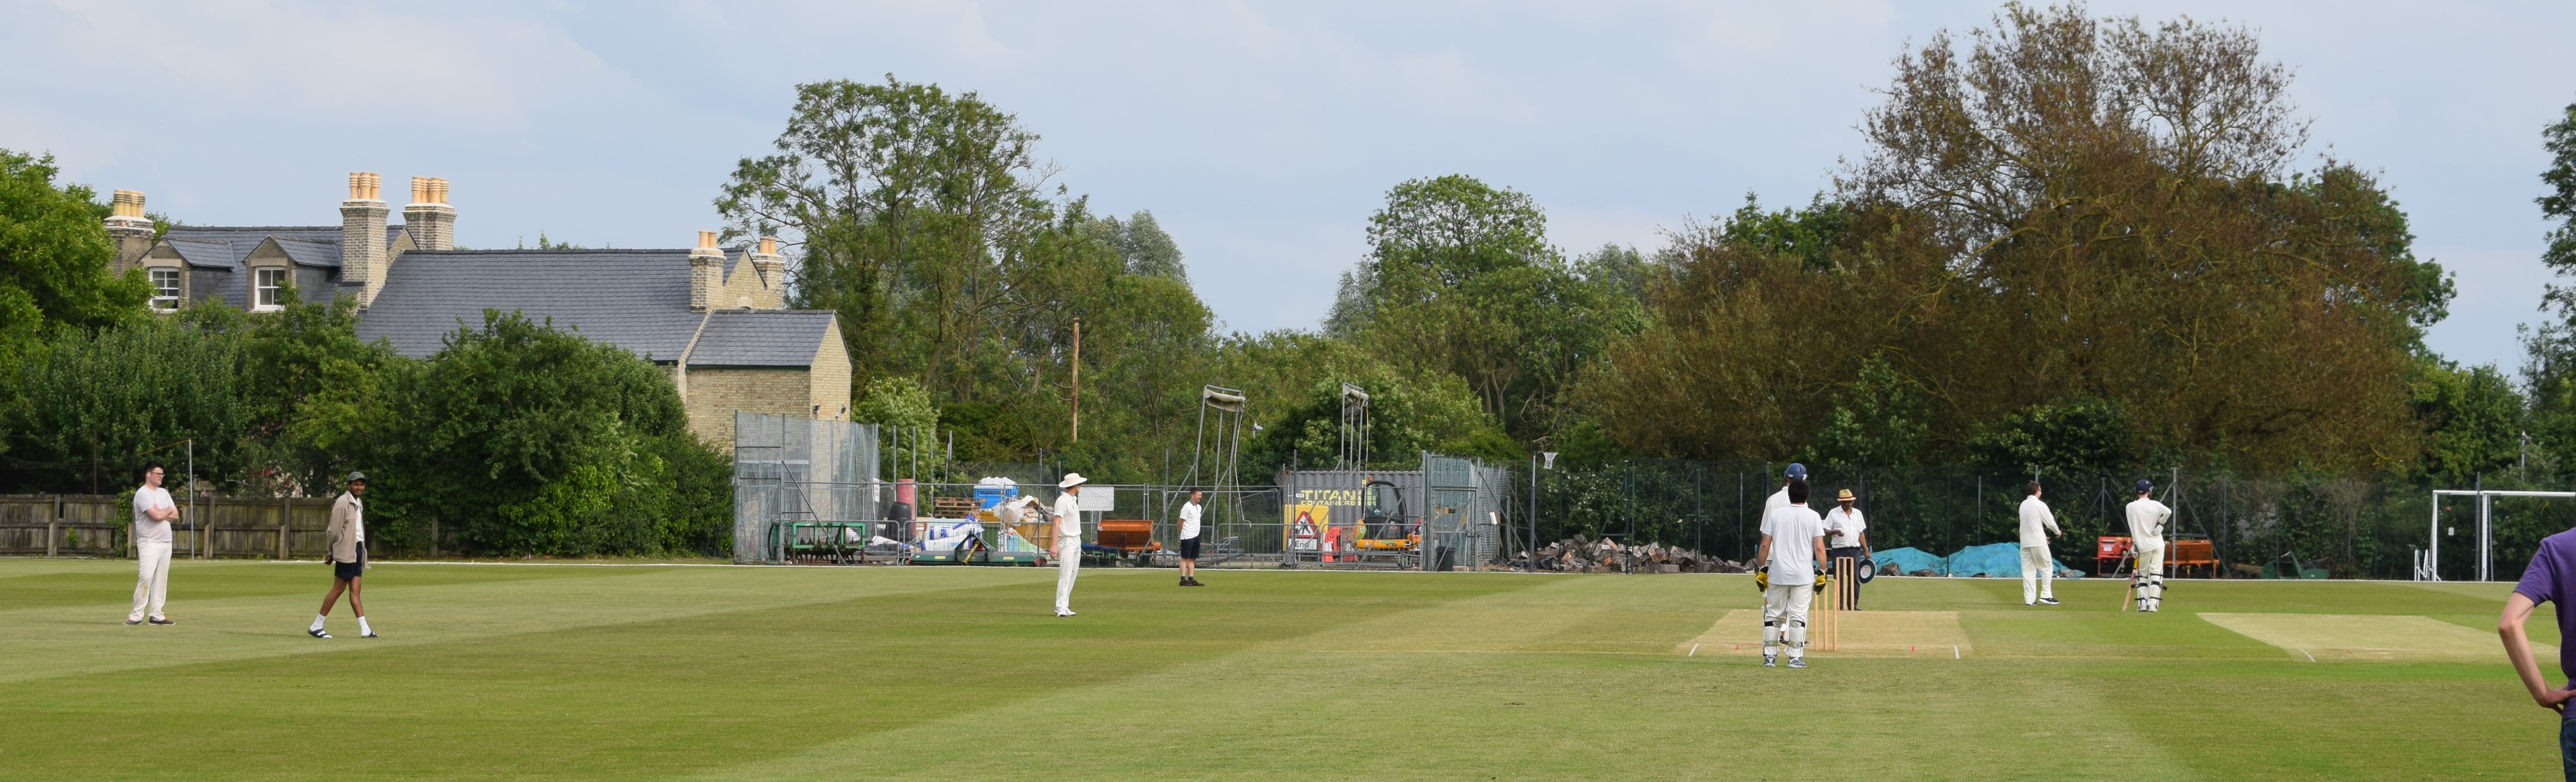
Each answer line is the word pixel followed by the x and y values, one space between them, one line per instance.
pixel 164 297
pixel 267 284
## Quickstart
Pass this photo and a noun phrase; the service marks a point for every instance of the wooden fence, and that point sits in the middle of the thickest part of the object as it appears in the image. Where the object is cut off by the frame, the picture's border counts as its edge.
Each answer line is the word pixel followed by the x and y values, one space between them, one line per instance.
pixel 101 526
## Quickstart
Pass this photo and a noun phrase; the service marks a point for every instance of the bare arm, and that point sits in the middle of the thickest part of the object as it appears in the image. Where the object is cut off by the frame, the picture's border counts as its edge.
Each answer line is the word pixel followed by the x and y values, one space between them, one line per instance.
pixel 2517 647
pixel 1762 555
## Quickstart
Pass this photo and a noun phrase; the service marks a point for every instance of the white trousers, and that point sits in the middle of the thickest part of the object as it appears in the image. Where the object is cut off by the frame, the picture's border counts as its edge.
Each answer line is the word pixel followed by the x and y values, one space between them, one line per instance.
pixel 2150 579
pixel 2038 571
pixel 1068 563
pixel 1784 612
pixel 152 584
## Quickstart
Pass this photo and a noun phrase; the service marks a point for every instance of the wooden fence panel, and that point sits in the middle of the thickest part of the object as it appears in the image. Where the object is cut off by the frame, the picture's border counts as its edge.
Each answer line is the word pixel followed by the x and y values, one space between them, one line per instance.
pixel 234 527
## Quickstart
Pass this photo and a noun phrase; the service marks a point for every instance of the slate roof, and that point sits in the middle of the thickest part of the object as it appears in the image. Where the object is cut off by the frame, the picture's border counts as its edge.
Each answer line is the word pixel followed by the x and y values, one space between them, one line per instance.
pixel 310 252
pixel 210 254
pixel 761 338
pixel 634 299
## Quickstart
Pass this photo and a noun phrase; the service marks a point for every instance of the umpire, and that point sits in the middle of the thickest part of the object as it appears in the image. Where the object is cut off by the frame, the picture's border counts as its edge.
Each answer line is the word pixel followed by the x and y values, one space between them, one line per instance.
pixel 1846 535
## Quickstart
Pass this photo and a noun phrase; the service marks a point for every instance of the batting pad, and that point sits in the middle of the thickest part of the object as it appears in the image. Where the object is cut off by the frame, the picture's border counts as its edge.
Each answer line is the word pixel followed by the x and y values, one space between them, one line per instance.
pixel 2371 638
pixel 1864 634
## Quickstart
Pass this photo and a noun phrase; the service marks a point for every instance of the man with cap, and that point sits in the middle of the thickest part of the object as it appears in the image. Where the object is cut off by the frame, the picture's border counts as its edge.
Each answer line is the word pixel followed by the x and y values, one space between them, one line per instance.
pixel 2147 534
pixel 1846 536
pixel 1068 540
pixel 2038 569
pixel 348 557
pixel 1780 499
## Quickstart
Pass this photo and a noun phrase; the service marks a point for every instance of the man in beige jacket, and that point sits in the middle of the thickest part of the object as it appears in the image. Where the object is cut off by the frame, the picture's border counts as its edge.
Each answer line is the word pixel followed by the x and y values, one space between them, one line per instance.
pixel 348 556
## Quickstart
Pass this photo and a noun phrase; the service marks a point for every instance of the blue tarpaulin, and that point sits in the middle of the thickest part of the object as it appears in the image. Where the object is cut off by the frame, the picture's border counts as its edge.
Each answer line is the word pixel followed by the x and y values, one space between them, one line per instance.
pixel 1994 560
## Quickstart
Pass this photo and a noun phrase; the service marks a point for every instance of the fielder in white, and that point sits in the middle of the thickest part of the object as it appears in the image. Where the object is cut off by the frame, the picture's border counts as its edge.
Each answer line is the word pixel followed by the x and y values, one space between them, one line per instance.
pixel 2147 532
pixel 1068 540
pixel 1793 542
pixel 2038 569
pixel 152 514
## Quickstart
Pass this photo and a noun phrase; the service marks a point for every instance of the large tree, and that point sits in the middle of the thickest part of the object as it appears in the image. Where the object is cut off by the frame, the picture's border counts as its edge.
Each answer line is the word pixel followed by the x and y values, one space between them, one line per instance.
pixel 54 255
pixel 1460 279
pixel 2061 213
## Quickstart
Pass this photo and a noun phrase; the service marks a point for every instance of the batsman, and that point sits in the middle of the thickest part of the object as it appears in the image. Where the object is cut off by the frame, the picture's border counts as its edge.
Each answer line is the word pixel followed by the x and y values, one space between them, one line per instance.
pixel 1793 542
pixel 2147 519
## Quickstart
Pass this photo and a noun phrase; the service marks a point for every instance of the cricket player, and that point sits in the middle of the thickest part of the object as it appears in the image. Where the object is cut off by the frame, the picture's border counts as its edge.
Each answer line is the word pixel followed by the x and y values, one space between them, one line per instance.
pixel 1780 499
pixel 152 514
pixel 2038 569
pixel 2147 533
pixel 1793 542
pixel 1068 540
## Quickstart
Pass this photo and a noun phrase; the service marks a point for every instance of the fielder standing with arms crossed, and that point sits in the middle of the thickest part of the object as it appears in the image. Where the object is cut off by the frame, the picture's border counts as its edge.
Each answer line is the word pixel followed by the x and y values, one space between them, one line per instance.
pixel 152 514
pixel 2147 532
pixel 1068 540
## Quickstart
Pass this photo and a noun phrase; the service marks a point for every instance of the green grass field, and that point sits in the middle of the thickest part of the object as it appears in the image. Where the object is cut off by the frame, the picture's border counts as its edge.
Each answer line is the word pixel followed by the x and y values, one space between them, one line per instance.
pixel 584 672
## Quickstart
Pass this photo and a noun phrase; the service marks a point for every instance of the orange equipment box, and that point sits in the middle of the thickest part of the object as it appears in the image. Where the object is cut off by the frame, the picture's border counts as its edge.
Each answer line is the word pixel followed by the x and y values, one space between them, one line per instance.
pixel 1128 536
pixel 2191 552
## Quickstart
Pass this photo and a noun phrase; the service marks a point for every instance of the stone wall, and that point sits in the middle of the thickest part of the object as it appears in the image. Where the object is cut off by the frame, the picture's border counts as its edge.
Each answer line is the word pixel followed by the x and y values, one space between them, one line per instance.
pixel 714 395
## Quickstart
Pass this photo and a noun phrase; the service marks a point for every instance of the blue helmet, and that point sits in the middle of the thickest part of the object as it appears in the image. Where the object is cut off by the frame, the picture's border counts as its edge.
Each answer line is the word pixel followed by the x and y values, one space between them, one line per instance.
pixel 2145 486
pixel 1798 471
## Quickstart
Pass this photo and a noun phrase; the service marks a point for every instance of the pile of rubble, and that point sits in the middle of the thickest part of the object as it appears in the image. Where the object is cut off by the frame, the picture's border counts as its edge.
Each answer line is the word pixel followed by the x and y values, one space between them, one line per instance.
pixel 1583 555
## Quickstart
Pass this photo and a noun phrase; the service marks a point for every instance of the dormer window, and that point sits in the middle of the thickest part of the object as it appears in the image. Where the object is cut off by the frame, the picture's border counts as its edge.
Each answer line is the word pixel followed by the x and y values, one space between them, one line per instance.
pixel 268 289
pixel 165 289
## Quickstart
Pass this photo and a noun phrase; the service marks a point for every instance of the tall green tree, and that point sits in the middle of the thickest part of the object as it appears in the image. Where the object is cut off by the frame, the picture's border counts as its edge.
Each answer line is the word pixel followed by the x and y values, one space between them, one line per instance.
pixel 85 408
pixel 1460 279
pixel 54 256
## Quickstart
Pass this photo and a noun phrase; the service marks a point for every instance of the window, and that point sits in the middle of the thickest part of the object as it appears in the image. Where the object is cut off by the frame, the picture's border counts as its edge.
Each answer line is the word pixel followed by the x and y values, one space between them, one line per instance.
pixel 165 289
pixel 269 288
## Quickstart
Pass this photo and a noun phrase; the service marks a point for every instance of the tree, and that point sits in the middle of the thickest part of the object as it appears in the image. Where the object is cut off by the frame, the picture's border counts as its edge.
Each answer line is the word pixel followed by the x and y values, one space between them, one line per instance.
pixel 529 439
pixel 1460 279
pixel 85 407
pixel 1148 250
pixel 54 255
pixel 2560 204
pixel 2473 419
pixel 2070 209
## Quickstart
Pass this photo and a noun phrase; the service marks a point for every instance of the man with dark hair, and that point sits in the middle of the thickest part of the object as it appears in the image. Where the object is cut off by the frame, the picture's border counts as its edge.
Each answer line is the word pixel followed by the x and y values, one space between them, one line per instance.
pixel 1793 542
pixel 348 557
pixel 152 514
pixel 2038 569
pixel 1190 539
pixel 2550 578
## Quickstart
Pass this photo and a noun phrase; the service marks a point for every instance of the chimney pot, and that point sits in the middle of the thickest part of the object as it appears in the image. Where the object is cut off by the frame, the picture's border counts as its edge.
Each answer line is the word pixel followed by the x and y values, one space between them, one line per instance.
pixel 362 237
pixel 429 220
pixel 128 228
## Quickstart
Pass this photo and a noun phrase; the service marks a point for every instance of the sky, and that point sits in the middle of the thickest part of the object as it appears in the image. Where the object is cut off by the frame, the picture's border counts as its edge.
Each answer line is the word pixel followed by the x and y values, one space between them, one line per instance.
pixel 1261 135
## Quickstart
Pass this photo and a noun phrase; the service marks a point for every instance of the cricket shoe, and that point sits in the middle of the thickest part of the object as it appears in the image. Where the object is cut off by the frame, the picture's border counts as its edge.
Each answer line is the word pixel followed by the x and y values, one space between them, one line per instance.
pixel 317 633
pixel 1770 661
pixel 2048 601
pixel 161 620
pixel 1797 662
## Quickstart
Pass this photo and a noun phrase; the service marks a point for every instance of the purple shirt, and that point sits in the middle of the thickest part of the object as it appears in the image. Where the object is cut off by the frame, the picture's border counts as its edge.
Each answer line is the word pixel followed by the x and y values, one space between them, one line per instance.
pixel 2551 578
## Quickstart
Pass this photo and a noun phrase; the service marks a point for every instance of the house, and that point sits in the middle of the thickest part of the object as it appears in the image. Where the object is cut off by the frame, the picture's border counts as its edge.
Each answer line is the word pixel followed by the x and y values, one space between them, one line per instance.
pixel 714 318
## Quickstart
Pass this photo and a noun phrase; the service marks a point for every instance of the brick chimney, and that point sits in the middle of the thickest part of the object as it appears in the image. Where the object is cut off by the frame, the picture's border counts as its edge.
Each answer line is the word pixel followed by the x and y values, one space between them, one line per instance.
pixel 772 268
pixel 706 268
pixel 129 229
pixel 430 220
pixel 362 237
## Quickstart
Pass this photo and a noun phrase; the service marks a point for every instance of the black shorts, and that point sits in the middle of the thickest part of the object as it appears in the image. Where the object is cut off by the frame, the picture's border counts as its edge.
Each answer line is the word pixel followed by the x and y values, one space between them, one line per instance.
pixel 351 569
pixel 1189 548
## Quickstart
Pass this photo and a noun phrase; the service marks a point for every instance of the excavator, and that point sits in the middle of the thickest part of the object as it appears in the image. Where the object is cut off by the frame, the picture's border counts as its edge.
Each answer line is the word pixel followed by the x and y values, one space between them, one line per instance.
pixel 1387 529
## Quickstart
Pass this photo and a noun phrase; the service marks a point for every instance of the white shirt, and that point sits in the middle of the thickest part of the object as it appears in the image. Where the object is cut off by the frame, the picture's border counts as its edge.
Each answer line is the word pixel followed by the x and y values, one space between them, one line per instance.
pixel 1793 530
pixel 2034 515
pixel 1189 520
pixel 1068 518
pixel 2147 523
pixel 1846 526
pixel 145 529
pixel 358 519
pixel 1778 499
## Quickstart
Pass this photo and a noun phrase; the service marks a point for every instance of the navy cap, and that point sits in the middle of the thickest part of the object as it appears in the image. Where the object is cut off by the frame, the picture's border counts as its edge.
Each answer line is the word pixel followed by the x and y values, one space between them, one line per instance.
pixel 1798 471
pixel 2145 486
